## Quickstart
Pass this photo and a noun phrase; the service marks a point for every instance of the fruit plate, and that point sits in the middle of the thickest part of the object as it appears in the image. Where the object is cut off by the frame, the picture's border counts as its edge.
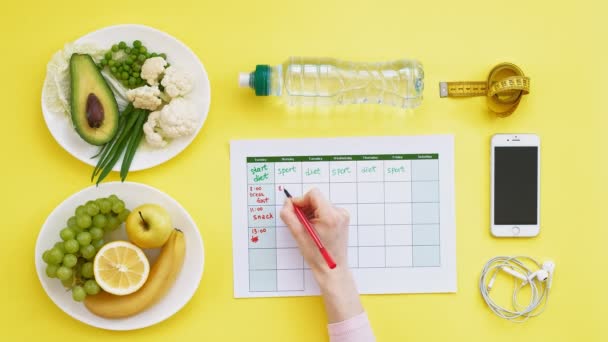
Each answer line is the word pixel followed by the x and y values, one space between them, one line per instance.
pixel 178 54
pixel 133 194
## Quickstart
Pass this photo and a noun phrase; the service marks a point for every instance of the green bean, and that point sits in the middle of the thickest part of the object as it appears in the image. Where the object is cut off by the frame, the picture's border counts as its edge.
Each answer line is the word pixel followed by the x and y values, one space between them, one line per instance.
pixel 133 145
pixel 116 144
pixel 106 170
pixel 106 148
pixel 118 148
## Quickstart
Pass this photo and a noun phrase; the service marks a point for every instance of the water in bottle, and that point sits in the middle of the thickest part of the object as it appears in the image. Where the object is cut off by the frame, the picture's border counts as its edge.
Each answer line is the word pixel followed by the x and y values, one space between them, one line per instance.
pixel 328 81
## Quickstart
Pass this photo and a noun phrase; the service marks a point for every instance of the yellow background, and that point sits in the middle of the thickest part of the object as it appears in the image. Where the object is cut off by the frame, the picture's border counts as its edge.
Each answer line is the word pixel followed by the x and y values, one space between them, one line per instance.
pixel 561 47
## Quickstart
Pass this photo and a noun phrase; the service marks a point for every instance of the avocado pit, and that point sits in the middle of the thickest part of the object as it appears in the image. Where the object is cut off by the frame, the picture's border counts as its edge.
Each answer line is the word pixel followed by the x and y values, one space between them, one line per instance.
pixel 94 110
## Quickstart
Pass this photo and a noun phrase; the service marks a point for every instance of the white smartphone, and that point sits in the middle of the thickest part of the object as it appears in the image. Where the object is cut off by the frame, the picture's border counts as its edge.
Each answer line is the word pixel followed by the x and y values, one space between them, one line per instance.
pixel 515 207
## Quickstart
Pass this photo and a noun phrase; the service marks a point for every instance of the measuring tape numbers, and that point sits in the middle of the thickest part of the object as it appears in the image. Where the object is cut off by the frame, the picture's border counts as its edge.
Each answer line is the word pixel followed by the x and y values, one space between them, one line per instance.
pixel 503 90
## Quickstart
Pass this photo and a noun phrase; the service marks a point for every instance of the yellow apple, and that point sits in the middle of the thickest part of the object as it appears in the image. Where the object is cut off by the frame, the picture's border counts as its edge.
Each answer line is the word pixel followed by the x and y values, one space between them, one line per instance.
pixel 149 226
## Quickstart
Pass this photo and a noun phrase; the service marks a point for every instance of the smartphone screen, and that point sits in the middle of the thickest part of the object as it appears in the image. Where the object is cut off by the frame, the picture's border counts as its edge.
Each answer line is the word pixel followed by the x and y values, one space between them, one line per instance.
pixel 516 185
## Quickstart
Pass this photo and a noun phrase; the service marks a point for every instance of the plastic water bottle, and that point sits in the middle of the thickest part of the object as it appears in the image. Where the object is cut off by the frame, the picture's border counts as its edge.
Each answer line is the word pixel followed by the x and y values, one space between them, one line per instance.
pixel 328 81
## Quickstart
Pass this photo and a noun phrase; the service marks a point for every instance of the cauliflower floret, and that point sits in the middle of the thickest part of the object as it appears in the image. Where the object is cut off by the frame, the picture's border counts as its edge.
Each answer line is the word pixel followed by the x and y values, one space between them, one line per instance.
pixel 153 138
pixel 145 97
pixel 176 82
pixel 152 69
pixel 177 119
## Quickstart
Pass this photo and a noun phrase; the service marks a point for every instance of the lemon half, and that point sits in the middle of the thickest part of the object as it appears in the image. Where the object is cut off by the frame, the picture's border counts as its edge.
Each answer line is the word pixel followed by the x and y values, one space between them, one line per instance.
pixel 121 268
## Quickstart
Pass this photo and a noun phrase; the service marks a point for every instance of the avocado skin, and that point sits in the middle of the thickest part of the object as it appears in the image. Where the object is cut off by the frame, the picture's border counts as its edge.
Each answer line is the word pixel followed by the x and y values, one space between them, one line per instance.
pixel 87 79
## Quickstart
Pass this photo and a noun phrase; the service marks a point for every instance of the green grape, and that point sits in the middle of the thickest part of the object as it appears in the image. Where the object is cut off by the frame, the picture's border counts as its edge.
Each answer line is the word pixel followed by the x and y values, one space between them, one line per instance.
pixel 92 209
pixel 122 216
pixel 100 221
pixel 84 238
pixel 88 252
pixel 71 246
pixel 69 260
pixel 66 234
pixel 96 233
pixel 80 210
pixel 51 271
pixel 88 202
pixel 113 198
pixel 91 287
pixel 105 206
pixel 55 256
pixel 68 282
pixel 113 223
pixel 118 207
pixel 60 246
pixel 84 221
pixel 78 293
pixel 64 273
pixel 45 256
pixel 87 270
pixel 72 222
pixel 98 244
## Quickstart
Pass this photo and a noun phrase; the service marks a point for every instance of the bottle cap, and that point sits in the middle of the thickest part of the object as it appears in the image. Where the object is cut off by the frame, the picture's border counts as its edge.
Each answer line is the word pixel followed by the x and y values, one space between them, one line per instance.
pixel 259 80
pixel 244 79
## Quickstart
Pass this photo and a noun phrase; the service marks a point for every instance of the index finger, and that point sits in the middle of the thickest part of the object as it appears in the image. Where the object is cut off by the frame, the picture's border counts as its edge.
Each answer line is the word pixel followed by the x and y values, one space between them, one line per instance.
pixel 312 200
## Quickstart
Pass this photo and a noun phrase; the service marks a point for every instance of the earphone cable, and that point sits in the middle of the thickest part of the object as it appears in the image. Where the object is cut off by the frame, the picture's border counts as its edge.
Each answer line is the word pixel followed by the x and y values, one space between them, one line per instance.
pixel 539 292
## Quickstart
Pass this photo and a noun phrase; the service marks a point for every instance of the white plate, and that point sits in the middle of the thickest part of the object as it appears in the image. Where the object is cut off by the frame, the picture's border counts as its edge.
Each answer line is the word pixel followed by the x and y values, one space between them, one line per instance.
pixel 133 194
pixel 178 54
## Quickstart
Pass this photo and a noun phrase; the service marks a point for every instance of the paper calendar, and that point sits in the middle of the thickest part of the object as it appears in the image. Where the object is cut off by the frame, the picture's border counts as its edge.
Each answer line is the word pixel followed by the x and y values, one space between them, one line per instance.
pixel 399 192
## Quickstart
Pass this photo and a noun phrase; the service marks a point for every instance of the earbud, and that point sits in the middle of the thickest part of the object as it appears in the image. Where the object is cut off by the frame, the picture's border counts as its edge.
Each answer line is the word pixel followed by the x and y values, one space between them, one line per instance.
pixel 541 275
pixel 544 274
pixel 549 266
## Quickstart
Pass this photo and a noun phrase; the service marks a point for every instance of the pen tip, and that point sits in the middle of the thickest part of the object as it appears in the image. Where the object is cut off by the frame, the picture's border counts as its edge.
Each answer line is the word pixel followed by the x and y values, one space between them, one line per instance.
pixel 286 193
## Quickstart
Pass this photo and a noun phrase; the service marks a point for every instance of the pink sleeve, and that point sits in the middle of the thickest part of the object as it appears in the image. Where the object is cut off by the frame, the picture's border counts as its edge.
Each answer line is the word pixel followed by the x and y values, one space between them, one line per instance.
pixel 356 329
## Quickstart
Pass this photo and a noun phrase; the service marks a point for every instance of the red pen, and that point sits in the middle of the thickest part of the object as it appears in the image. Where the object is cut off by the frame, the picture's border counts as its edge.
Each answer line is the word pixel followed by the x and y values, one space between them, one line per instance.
pixel 313 234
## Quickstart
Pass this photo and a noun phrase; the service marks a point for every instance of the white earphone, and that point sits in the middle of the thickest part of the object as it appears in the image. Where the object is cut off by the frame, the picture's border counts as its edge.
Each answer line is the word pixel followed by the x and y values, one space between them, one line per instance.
pixel 539 281
pixel 543 274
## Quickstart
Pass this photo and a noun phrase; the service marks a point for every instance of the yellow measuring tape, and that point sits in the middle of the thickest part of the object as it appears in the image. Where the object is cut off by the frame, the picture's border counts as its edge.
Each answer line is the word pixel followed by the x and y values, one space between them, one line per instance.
pixel 504 88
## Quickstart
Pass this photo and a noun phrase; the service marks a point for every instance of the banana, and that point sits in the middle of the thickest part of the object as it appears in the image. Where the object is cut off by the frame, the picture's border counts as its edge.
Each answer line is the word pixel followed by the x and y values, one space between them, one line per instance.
pixel 162 276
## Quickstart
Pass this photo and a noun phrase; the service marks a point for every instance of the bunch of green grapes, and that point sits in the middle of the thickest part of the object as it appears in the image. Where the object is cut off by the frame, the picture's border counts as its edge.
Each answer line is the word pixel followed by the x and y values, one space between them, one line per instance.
pixel 71 259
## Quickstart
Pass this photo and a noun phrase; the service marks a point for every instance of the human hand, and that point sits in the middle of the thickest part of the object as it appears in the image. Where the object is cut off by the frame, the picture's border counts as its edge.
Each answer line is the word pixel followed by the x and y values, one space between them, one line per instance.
pixel 331 223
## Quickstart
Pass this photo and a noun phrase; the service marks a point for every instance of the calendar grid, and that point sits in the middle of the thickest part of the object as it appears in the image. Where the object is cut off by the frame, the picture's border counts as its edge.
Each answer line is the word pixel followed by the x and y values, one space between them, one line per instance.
pixel 388 196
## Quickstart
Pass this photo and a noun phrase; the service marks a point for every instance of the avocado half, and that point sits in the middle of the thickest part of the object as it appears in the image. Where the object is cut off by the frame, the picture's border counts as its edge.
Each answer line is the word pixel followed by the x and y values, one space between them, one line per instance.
pixel 94 108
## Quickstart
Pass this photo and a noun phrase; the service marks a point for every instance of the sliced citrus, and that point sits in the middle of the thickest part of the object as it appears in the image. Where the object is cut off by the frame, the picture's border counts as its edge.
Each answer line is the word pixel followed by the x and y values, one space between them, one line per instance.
pixel 121 268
